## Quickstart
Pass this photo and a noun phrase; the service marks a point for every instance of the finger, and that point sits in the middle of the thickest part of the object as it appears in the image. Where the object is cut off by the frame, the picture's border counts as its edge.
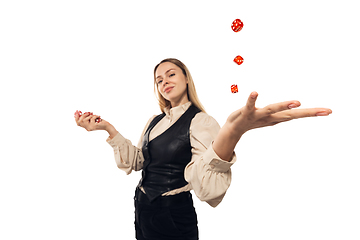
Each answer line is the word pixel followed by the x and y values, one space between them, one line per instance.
pixel 301 113
pixel 85 117
pixel 77 116
pixel 93 118
pixel 83 120
pixel 250 105
pixel 278 107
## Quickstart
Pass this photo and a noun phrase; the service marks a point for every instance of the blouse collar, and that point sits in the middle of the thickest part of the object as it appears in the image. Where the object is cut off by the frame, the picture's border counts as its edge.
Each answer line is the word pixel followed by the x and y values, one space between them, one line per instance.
pixel 173 114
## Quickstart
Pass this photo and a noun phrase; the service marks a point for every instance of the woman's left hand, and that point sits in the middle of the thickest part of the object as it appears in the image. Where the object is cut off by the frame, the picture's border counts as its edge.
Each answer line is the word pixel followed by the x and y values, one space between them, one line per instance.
pixel 250 117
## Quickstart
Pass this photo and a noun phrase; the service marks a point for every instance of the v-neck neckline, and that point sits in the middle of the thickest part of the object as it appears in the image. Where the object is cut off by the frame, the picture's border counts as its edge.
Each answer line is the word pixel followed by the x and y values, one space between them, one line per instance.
pixel 148 136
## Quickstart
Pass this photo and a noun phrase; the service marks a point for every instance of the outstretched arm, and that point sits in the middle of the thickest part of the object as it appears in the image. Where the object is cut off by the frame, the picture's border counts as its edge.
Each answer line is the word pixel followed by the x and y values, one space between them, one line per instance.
pixel 127 156
pixel 249 117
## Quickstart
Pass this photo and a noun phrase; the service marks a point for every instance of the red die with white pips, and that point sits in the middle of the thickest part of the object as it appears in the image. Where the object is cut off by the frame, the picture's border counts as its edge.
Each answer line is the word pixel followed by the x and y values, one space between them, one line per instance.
pixel 238 60
pixel 237 25
pixel 234 88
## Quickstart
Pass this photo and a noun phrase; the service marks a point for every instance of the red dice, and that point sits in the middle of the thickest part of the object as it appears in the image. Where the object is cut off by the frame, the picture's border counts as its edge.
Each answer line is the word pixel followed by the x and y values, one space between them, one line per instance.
pixel 97 120
pixel 79 113
pixel 237 25
pixel 239 60
pixel 234 88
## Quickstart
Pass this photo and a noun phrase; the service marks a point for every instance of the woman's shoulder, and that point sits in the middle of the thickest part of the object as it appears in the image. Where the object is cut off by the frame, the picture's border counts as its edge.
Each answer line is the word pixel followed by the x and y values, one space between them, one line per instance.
pixel 204 119
pixel 150 120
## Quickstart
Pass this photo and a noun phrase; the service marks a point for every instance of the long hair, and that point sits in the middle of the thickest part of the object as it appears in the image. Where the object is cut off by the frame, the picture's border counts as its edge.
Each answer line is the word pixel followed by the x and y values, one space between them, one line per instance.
pixel 191 91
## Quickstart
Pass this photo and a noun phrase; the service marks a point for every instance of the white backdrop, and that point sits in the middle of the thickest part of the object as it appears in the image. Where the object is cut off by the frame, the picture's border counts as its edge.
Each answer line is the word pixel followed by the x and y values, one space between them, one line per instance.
pixel 296 180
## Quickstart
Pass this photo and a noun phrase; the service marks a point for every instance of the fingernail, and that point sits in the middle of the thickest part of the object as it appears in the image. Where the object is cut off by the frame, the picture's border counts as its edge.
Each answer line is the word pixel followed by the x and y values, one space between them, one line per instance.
pixel 253 95
pixel 322 113
pixel 292 105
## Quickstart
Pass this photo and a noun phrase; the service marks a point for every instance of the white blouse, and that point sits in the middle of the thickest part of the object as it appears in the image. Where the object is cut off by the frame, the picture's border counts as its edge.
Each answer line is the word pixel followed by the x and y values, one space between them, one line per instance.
pixel 207 174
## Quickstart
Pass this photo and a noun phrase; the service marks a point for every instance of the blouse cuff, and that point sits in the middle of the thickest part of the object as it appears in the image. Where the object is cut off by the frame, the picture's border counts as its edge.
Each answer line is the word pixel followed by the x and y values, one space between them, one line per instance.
pixel 215 163
pixel 116 141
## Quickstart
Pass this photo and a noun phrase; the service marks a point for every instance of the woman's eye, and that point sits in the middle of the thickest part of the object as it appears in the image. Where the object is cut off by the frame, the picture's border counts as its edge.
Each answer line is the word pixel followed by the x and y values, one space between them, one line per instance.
pixel 173 74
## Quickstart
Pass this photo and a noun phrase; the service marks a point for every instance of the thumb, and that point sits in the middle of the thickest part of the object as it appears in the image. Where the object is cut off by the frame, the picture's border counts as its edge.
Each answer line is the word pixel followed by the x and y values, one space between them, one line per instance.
pixel 77 116
pixel 250 105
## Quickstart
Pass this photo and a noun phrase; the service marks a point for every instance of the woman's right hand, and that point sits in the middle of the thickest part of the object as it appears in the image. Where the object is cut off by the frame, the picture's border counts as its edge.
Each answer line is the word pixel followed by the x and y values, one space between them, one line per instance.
pixel 87 121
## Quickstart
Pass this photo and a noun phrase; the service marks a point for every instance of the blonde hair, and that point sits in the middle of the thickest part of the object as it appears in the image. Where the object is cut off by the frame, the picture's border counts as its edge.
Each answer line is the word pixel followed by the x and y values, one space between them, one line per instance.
pixel 191 91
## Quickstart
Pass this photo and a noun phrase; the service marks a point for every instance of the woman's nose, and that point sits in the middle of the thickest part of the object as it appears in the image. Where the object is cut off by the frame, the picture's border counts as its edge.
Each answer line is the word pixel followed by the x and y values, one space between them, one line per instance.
pixel 165 81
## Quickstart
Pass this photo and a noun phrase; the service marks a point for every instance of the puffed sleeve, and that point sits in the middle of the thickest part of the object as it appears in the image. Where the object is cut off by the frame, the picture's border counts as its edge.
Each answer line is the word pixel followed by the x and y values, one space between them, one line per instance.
pixel 127 156
pixel 208 174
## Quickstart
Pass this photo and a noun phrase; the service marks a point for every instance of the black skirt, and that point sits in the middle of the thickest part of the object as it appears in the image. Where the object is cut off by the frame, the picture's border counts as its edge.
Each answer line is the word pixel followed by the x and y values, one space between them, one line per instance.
pixel 167 217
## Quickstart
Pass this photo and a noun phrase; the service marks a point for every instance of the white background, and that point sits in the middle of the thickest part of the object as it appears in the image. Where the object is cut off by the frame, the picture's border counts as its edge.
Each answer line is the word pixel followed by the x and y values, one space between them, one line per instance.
pixel 296 180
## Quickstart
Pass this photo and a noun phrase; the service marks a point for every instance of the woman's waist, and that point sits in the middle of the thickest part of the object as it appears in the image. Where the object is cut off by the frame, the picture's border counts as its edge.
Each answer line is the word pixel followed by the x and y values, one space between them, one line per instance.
pixel 175 200
pixel 186 188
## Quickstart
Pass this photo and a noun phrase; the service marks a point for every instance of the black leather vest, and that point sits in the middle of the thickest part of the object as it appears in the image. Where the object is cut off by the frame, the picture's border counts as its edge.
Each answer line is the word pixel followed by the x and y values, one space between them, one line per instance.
pixel 167 155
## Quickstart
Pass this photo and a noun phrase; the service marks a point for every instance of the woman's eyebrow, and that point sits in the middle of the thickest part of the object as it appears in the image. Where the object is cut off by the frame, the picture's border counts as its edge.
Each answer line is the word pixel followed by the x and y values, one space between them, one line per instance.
pixel 166 72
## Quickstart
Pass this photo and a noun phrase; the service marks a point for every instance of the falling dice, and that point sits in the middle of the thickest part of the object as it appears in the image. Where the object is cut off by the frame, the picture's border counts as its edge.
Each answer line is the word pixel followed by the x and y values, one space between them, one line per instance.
pixel 237 25
pixel 239 60
pixel 234 88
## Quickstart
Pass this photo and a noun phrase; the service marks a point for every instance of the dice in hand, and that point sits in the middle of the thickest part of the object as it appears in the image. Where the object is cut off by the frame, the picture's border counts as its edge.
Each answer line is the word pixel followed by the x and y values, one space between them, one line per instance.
pixel 97 120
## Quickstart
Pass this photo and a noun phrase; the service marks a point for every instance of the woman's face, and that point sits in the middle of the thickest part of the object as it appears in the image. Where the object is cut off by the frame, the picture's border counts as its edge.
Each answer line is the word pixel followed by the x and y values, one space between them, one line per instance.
pixel 171 83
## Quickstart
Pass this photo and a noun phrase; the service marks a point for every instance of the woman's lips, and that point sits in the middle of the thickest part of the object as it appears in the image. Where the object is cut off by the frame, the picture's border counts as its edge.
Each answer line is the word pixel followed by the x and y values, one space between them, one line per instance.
pixel 168 89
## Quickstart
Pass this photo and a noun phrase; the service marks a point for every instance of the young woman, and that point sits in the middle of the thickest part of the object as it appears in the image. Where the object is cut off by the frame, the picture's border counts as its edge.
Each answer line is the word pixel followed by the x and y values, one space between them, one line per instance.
pixel 184 149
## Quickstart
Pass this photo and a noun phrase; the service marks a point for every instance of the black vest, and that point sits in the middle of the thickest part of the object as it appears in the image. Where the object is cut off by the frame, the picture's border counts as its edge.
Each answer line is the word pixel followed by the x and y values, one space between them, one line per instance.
pixel 167 155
